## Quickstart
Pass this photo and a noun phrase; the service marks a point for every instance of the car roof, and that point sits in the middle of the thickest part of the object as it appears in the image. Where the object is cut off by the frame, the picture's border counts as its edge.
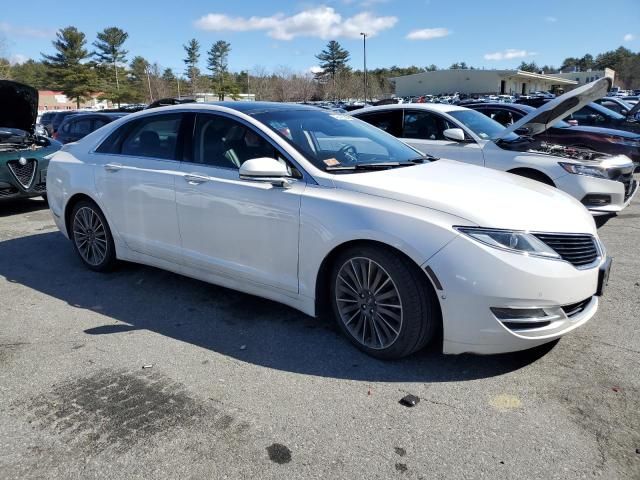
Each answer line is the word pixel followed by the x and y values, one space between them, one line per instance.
pixel 512 106
pixel 251 108
pixel 432 107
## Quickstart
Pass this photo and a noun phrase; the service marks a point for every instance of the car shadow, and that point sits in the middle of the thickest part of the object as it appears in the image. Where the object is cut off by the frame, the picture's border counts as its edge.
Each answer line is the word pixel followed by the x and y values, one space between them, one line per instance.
pixel 241 326
pixel 602 220
pixel 21 205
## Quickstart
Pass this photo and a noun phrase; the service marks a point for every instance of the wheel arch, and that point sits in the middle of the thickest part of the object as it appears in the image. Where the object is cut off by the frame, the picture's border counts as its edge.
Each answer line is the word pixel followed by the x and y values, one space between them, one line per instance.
pixel 322 288
pixel 533 174
pixel 72 202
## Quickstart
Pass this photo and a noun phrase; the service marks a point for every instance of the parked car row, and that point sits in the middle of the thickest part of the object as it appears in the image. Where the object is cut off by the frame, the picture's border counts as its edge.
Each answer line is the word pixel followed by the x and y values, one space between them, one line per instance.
pixel 603 183
pixel 325 211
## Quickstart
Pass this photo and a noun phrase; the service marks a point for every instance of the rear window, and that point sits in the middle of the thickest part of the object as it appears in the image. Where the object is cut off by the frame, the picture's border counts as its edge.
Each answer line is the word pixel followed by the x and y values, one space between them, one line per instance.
pixel 155 136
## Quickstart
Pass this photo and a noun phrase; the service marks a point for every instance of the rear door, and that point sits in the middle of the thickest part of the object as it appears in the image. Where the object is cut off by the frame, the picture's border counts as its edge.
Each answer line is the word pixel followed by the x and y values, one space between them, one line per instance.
pixel 136 183
pixel 424 130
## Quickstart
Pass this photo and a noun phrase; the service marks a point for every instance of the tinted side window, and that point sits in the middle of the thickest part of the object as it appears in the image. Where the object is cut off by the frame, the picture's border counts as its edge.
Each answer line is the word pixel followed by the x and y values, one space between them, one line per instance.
pixel 223 142
pixel 424 125
pixel 79 127
pixel 98 123
pixel 155 136
pixel 390 121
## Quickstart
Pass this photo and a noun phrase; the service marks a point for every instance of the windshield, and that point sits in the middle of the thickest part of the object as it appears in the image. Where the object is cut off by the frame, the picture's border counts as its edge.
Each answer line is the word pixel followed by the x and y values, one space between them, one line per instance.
pixel 604 111
pixel 481 125
pixel 334 140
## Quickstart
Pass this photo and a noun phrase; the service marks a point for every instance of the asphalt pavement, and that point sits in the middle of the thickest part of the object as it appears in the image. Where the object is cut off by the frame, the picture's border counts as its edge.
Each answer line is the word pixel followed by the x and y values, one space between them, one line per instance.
pixel 142 373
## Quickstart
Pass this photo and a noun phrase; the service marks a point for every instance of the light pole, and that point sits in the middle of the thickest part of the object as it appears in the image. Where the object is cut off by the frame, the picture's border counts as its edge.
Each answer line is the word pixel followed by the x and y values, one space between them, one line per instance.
pixel 364 47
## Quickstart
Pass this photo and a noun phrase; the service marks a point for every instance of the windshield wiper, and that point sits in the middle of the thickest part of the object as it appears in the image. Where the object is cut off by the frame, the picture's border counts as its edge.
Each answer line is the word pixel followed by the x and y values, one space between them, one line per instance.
pixel 375 165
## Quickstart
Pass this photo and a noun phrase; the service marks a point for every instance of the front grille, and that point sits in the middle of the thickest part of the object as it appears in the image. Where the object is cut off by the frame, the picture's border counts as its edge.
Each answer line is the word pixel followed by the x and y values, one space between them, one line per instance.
pixel 579 250
pixel 23 173
pixel 576 308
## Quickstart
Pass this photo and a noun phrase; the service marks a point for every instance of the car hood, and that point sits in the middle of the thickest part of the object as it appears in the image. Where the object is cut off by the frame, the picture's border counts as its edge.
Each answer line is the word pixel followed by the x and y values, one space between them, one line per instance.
pixel 545 116
pixel 19 105
pixel 481 196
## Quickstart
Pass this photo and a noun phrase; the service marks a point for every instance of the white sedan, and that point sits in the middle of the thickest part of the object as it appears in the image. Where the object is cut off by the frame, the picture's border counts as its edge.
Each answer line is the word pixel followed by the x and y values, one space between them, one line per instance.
pixel 604 184
pixel 317 209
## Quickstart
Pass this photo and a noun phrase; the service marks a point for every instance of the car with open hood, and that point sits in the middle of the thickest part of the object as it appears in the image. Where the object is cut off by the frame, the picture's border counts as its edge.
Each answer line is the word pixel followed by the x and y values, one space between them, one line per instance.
pixel 23 153
pixel 603 183
pixel 326 213
pixel 579 139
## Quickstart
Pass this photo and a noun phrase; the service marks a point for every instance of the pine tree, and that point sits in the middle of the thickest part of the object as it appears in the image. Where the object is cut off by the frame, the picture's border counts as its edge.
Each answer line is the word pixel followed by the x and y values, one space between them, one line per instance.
pixel 76 79
pixel 169 79
pixel 192 50
pixel 110 51
pixel 333 60
pixel 138 79
pixel 218 64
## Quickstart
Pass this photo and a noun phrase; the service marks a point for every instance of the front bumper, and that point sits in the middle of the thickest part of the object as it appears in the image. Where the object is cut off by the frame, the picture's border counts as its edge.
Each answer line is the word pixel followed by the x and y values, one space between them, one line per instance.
pixel 476 278
pixel 581 186
pixel 31 184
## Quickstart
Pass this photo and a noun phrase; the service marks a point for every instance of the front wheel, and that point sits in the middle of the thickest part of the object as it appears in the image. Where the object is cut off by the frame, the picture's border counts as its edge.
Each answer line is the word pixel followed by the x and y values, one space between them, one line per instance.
pixel 92 237
pixel 382 302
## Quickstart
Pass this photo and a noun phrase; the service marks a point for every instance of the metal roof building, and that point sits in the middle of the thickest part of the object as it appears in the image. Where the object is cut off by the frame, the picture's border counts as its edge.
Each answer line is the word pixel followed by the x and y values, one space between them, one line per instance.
pixel 478 82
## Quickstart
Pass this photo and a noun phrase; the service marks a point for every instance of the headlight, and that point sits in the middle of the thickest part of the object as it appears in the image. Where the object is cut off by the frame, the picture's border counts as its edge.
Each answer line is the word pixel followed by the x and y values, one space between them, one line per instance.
pixel 588 170
pixel 511 240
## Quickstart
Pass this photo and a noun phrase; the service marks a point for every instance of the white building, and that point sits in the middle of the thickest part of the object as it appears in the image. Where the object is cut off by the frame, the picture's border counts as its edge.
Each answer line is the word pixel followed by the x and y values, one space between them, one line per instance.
pixel 480 82
pixel 589 76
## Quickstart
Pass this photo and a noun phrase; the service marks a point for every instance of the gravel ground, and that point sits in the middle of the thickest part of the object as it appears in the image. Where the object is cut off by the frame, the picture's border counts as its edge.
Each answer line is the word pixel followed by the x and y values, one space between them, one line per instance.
pixel 146 374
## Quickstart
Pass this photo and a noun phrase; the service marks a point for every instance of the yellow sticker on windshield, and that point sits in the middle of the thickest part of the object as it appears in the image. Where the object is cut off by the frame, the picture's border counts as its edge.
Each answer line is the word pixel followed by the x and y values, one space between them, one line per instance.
pixel 331 162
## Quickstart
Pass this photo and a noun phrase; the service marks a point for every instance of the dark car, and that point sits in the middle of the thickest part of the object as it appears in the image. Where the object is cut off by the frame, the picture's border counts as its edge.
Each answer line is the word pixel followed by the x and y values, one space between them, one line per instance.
pixel 46 120
pixel 59 118
pixel 620 106
pixel 75 127
pixel 603 140
pixel 23 153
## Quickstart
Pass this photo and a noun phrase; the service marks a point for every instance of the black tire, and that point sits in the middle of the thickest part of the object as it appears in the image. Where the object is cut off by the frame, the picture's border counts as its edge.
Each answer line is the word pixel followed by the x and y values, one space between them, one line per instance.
pixel 419 312
pixel 106 261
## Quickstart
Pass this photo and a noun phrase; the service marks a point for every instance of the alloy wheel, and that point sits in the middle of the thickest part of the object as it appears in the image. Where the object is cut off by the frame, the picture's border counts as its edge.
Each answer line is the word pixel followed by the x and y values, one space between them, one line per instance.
pixel 369 303
pixel 90 236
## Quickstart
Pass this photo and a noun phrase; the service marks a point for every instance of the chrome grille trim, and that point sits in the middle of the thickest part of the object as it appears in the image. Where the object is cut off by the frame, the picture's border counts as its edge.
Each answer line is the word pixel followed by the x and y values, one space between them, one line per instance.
pixel 580 250
pixel 24 174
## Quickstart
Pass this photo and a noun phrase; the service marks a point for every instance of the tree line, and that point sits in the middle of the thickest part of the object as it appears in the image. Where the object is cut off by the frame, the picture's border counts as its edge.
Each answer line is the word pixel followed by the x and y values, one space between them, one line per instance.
pixel 81 70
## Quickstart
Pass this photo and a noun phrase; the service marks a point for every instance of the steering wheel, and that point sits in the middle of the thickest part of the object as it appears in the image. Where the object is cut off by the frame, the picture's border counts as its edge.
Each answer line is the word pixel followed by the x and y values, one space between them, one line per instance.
pixel 348 153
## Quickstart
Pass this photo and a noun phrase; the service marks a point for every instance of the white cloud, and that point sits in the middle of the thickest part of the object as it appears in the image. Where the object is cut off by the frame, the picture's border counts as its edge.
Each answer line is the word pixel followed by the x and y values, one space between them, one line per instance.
pixel 315 69
pixel 322 22
pixel 628 37
pixel 17 59
pixel 20 31
pixel 428 33
pixel 551 19
pixel 508 54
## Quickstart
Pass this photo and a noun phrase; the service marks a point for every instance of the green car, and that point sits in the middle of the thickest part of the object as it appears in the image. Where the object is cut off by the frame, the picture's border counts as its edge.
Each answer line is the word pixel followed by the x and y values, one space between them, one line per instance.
pixel 23 154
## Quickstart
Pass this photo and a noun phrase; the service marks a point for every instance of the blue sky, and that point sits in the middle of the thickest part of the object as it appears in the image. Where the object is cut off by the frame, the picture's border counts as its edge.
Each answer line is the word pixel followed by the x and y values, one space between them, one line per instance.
pixel 489 33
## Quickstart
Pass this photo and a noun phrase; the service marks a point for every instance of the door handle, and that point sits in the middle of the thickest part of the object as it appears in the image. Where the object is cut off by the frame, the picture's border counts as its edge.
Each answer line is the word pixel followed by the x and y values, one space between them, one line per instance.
pixel 112 167
pixel 194 179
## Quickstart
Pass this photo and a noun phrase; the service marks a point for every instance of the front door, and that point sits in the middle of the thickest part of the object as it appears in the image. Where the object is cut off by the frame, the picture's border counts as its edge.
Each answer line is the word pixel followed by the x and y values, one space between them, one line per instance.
pixel 135 180
pixel 424 131
pixel 244 229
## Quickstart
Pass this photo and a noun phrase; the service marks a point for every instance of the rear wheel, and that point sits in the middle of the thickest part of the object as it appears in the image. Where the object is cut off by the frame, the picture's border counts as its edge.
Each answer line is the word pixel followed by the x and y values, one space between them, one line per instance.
pixel 92 237
pixel 382 303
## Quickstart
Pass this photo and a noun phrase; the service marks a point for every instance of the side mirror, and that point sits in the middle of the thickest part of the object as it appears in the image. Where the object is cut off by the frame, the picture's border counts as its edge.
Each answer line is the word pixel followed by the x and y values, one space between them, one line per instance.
pixel 524 131
pixel 266 170
pixel 455 134
pixel 624 112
